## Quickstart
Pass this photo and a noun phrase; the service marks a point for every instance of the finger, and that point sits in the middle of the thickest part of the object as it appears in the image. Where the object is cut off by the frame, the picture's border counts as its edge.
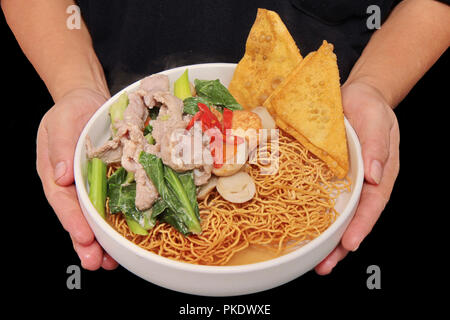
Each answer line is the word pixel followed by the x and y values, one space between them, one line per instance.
pixel 108 262
pixel 373 198
pixel 91 256
pixel 327 265
pixel 65 203
pixel 63 200
pixel 370 206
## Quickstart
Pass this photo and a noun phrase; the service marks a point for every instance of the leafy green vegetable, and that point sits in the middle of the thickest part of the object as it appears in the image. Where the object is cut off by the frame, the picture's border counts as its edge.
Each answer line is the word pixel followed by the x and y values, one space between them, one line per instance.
pixel 150 138
pixel 158 207
pixel 181 86
pixel 118 177
pixel 122 198
pixel 190 104
pixel 170 217
pixel 154 168
pixel 161 212
pixel 216 93
pixel 148 134
pixel 153 113
pixel 180 208
pixel 97 184
pixel 187 180
pixel 129 178
pixel 189 215
pixel 148 129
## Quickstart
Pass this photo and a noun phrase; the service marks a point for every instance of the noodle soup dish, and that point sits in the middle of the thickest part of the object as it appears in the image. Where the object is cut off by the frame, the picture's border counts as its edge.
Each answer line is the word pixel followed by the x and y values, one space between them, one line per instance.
pixel 253 212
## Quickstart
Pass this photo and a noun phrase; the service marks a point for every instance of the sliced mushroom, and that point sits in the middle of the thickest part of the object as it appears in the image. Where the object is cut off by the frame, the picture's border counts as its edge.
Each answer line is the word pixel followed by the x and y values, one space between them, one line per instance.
pixel 237 188
pixel 234 162
pixel 205 189
pixel 266 119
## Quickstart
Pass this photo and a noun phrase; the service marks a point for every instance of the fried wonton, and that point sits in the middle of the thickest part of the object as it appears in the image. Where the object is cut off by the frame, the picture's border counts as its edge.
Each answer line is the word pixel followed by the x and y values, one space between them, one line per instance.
pixel 308 106
pixel 270 55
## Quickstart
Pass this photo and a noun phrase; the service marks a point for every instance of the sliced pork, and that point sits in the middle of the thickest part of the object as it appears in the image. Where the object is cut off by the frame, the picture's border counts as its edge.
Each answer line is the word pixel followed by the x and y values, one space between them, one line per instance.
pixel 152 84
pixel 129 142
pixel 173 144
pixel 110 152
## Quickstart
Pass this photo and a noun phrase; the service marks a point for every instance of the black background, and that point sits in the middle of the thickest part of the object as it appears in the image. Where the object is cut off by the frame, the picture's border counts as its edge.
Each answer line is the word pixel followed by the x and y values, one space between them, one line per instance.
pixel 407 242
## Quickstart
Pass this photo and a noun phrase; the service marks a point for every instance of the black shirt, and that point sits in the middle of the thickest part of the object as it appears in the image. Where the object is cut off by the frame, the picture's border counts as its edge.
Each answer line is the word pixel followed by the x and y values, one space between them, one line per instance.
pixel 137 38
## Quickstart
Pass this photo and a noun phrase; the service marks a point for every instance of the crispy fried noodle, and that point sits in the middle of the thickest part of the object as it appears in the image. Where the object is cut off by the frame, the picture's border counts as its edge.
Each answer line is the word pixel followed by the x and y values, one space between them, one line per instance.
pixel 290 208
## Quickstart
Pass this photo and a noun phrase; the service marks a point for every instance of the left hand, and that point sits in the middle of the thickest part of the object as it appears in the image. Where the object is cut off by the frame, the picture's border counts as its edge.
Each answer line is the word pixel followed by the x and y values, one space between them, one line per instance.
pixel 378 132
pixel 57 137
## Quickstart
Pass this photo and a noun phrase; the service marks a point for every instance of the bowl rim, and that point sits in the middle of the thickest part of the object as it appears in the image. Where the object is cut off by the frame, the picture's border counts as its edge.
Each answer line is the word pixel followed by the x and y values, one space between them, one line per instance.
pixel 83 198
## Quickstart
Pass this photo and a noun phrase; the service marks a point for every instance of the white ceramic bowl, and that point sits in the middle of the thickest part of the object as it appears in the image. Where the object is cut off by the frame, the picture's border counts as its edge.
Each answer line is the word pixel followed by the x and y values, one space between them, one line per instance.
pixel 211 280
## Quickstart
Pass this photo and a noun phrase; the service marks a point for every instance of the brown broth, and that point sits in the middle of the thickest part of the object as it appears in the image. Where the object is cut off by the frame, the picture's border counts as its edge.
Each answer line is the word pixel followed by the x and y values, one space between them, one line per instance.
pixel 252 254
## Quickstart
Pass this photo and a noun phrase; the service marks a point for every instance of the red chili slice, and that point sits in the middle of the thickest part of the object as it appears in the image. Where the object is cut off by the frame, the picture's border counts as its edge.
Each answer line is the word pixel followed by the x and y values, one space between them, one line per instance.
pixel 196 117
pixel 209 117
pixel 216 146
pixel 147 121
pixel 227 119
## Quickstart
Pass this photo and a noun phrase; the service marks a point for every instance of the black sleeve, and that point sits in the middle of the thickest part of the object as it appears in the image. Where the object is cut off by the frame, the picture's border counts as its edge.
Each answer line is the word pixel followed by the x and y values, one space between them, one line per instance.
pixel 447 2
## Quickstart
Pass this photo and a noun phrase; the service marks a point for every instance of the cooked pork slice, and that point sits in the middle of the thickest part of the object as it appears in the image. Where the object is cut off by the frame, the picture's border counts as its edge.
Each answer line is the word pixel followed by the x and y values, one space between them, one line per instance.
pixel 136 113
pixel 146 193
pixel 170 116
pixel 178 148
pixel 126 147
pixel 171 106
pixel 133 144
pixel 153 149
pixel 184 150
pixel 150 85
pixel 159 82
pixel 162 128
pixel 110 152
pixel 158 130
pixel 176 151
pixel 202 175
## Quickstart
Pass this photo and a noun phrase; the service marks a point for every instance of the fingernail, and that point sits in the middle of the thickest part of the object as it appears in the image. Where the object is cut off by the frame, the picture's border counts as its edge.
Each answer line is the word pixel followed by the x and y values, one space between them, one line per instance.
pixel 60 170
pixel 376 171
pixel 356 243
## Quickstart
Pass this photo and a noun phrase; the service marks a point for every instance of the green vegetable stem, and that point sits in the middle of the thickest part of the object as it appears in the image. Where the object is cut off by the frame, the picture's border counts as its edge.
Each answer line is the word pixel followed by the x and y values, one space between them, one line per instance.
pixel 190 217
pixel 181 86
pixel 117 108
pixel 97 184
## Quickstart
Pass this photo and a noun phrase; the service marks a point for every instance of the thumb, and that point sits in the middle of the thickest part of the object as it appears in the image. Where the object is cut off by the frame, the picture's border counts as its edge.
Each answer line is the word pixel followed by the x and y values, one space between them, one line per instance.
pixel 374 137
pixel 62 140
pixel 64 123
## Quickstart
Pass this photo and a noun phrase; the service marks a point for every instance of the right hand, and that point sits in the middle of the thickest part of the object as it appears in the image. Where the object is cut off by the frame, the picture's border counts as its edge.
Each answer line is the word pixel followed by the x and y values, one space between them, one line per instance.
pixel 378 131
pixel 56 140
